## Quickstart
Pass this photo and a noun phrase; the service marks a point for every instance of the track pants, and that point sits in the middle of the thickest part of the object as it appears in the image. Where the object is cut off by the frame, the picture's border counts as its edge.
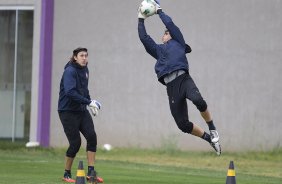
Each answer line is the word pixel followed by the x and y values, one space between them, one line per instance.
pixel 74 123
pixel 178 90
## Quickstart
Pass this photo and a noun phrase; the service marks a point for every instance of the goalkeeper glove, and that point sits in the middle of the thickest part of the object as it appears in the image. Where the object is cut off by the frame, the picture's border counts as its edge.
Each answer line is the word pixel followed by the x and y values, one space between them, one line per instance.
pixel 141 15
pixel 157 5
pixel 94 107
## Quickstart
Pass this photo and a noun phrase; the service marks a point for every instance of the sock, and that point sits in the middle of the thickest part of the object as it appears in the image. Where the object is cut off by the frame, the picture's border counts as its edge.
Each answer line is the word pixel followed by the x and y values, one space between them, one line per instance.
pixel 206 137
pixel 211 125
pixel 90 168
pixel 67 173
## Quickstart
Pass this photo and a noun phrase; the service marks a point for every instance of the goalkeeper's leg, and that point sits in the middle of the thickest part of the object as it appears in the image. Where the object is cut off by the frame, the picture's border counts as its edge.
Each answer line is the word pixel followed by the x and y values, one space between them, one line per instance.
pixel 88 131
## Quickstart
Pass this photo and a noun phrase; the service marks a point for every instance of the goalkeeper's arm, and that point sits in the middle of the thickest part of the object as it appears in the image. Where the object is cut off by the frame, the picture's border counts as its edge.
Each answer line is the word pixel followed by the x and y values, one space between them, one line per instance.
pixel 174 31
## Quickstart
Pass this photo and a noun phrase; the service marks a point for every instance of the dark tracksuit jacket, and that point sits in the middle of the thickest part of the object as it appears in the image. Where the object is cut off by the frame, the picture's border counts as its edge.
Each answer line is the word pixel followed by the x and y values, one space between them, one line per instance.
pixel 170 56
pixel 74 93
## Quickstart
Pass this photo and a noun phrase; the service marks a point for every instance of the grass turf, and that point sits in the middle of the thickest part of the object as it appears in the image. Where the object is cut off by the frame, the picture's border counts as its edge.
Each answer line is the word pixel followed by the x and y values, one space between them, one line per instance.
pixel 139 166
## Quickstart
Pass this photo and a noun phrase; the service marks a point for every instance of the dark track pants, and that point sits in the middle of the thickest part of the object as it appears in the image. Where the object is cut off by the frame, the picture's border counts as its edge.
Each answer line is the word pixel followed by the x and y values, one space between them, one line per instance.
pixel 74 123
pixel 178 90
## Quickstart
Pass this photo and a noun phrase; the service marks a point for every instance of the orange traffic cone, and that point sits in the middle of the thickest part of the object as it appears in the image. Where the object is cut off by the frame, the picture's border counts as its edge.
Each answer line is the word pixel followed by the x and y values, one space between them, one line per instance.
pixel 231 174
pixel 80 174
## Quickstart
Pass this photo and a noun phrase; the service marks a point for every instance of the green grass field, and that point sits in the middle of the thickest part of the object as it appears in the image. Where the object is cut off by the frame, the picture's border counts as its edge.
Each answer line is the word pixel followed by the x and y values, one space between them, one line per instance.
pixel 136 166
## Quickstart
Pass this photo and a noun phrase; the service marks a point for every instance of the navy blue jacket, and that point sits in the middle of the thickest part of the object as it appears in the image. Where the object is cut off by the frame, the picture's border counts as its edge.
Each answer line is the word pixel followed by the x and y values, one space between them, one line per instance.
pixel 170 56
pixel 74 93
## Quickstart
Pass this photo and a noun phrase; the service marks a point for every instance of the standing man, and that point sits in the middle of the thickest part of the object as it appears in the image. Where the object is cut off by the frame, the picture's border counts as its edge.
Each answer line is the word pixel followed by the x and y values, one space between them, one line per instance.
pixel 172 70
pixel 73 99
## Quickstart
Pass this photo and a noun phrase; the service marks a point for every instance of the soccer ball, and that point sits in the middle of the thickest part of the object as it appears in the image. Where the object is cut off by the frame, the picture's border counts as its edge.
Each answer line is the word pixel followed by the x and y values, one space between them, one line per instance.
pixel 107 147
pixel 147 8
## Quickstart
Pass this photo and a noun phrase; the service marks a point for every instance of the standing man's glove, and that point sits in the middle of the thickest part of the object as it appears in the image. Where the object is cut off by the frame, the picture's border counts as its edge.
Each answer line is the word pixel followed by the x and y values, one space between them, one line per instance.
pixel 94 107
pixel 157 5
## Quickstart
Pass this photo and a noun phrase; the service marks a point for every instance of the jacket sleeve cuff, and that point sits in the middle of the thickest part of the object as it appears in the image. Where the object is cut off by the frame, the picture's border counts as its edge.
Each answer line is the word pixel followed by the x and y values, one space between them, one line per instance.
pixel 159 11
pixel 140 20
pixel 89 102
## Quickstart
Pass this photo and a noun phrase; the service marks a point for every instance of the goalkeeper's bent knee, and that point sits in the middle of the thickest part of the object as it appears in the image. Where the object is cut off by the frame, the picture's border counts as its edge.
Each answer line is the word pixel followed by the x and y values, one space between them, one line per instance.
pixel 201 105
pixel 185 126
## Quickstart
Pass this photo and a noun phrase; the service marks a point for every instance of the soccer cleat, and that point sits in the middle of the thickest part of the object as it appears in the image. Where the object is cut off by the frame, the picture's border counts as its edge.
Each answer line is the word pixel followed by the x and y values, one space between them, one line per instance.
pixel 216 146
pixel 67 178
pixel 214 136
pixel 94 177
pixel 98 179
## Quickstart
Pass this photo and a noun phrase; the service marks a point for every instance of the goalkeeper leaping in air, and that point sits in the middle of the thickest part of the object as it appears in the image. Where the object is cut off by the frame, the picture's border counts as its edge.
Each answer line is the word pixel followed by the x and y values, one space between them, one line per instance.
pixel 172 70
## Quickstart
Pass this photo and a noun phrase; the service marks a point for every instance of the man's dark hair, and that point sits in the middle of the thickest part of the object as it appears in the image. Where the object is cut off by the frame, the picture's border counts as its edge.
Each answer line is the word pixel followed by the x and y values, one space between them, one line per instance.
pixel 76 51
pixel 187 47
pixel 79 49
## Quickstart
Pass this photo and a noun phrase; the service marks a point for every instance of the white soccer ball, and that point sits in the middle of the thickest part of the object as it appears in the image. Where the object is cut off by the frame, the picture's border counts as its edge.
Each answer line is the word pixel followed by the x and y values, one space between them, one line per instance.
pixel 147 8
pixel 32 144
pixel 107 147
